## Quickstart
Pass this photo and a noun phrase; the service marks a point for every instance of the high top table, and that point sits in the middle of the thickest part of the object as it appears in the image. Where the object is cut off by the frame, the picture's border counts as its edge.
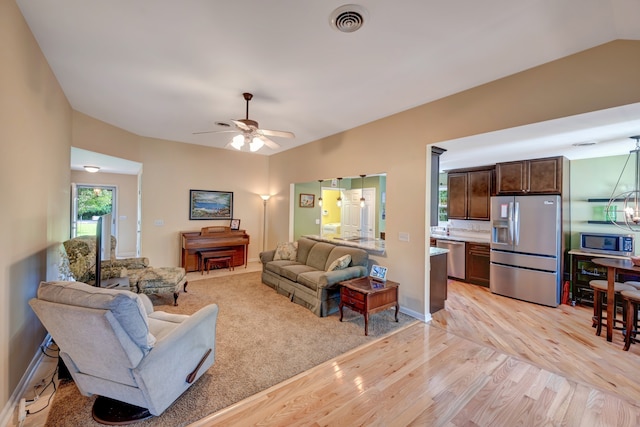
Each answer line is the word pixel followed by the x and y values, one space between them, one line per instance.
pixel 613 265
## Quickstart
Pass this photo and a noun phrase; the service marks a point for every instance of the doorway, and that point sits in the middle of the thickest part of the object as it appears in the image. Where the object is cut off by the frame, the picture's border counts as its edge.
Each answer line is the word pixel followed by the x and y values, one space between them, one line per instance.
pixel 88 203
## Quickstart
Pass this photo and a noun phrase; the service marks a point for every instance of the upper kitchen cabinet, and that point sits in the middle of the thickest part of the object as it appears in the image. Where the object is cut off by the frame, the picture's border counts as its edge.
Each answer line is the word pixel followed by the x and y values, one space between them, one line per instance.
pixel 538 176
pixel 469 192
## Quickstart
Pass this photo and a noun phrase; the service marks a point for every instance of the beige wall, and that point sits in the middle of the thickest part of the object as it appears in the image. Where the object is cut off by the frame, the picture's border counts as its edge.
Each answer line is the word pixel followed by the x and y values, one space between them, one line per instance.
pixel 169 171
pixel 126 205
pixel 35 135
pixel 592 80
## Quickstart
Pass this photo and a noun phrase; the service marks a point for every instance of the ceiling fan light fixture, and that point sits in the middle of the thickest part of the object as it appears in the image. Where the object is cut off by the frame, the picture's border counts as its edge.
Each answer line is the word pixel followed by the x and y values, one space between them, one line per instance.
pixel 237 142
pixel 255 144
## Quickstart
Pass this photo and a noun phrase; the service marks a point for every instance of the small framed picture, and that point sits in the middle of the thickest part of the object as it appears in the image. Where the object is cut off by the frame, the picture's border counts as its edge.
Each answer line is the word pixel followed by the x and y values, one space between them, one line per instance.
pixel 378 273
pixel 307 200
pixel 235 224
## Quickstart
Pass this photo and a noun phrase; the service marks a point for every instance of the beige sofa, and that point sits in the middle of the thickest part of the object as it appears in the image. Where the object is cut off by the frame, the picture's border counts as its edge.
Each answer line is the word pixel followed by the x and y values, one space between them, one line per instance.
pixel 303 277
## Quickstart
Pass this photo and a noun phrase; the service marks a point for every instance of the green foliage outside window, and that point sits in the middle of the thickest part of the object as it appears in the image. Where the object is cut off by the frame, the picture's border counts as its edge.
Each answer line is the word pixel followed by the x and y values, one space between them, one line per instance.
pixel 93 202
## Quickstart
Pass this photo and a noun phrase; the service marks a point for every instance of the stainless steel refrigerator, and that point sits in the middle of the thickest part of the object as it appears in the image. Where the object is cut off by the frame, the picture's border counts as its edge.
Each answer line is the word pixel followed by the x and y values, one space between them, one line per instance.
pixel 526 248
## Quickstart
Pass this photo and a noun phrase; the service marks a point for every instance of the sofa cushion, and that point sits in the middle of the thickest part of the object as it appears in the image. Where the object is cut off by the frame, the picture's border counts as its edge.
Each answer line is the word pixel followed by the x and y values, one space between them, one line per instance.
pixel 126 306
pixel 311 279
pixel 318 255
pixel 286 251
pixel 276 266
pixel 291 272
pixel 340 263
pixel 358 256
pixel 304 247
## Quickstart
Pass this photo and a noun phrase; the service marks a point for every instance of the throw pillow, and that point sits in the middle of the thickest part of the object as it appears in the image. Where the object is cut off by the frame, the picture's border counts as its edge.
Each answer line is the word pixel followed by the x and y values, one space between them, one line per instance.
pixel 286 251
pixel 340 263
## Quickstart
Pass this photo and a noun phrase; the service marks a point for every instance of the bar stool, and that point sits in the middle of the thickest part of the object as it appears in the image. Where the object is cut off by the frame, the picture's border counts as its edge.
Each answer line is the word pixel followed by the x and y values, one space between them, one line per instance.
pixel 633 283
pixel 599 289
pixel 631 300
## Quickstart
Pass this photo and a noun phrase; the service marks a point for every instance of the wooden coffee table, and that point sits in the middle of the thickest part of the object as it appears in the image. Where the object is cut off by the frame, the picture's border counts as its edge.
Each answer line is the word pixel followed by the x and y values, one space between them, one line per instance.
pixel 367 296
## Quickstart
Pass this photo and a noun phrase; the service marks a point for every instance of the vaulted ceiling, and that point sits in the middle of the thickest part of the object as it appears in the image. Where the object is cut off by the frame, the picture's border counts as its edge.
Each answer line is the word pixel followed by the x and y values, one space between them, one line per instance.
pixel 167 69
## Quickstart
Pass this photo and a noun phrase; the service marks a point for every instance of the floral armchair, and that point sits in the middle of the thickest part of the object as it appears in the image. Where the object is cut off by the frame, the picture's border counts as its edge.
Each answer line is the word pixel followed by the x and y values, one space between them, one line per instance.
pixel 80 258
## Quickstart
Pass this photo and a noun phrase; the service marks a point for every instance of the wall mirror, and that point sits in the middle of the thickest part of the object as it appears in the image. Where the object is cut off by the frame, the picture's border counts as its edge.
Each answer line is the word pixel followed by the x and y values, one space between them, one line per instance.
pixel 351 208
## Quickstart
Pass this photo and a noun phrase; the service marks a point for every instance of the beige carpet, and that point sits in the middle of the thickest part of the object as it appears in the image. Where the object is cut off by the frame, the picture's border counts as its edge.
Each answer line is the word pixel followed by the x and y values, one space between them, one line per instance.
pixel 262 339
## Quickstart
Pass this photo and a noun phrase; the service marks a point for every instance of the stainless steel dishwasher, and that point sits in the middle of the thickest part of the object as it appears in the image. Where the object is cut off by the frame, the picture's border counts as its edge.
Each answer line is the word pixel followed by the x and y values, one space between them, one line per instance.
pixel 456 258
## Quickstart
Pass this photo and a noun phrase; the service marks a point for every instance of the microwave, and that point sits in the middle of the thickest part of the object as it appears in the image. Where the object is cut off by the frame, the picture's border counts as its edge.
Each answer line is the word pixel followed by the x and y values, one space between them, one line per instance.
pixel 611 244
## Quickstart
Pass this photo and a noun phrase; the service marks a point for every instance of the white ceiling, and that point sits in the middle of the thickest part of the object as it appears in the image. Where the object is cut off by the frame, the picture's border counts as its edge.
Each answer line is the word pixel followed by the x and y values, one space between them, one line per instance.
pixel 166 69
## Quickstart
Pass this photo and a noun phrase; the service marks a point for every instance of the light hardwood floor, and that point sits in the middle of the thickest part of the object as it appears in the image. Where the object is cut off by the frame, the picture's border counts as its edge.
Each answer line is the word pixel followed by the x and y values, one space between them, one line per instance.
pixel 485 360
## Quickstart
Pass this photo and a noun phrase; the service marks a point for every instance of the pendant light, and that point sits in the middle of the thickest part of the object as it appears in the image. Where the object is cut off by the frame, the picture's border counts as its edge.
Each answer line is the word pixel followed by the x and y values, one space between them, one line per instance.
pixel 630 199
pixel 339 201
pixel 362 200
pixel 320 198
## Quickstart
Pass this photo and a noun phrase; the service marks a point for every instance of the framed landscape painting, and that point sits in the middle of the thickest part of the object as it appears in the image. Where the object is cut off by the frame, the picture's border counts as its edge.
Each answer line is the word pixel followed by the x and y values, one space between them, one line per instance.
pixel 204 204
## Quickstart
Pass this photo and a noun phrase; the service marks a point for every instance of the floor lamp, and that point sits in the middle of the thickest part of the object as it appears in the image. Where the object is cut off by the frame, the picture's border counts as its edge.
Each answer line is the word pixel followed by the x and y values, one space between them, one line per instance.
pixel 264 197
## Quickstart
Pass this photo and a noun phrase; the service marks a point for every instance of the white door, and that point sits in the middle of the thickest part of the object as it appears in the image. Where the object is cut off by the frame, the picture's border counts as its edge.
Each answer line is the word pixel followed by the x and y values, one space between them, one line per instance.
pixel 359 221
pixel 350 213
pixel 368 214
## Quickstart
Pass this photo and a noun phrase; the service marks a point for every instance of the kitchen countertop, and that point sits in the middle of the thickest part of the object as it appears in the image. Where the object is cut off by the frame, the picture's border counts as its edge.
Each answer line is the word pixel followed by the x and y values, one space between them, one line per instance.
pixel 373 246
pixel 579 252
pixel 466 237
pixel 437 251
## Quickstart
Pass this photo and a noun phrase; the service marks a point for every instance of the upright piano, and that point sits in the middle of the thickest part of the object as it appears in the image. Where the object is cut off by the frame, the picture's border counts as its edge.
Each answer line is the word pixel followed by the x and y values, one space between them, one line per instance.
pixel 212 239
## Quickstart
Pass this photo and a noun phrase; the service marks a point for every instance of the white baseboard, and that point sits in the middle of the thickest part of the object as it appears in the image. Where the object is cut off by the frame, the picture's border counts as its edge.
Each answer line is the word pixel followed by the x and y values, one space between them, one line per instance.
pixel 9 409
pixel 422 317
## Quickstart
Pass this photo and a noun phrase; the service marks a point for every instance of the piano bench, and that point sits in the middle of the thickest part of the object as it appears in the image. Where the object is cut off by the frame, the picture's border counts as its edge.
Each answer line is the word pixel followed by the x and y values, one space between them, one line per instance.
pixel 207 258
pixel 225 259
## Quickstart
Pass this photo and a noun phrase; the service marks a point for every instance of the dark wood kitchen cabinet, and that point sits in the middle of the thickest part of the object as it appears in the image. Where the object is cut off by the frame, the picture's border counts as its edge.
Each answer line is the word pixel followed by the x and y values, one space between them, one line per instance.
pixel 477 263
pixel 438 280
pixel 469 193
pixel 537 176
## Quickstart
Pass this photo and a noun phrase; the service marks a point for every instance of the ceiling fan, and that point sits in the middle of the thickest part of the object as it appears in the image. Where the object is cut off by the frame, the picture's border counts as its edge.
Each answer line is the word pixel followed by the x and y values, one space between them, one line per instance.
pixel 250 133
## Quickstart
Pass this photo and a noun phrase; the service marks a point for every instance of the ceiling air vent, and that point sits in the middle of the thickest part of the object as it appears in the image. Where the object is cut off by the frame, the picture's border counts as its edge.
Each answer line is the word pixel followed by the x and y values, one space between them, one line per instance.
pixel 348 18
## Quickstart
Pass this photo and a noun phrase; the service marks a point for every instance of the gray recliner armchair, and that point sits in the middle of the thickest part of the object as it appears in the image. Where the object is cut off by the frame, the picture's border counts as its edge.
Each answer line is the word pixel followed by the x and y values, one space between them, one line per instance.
pixel 115 346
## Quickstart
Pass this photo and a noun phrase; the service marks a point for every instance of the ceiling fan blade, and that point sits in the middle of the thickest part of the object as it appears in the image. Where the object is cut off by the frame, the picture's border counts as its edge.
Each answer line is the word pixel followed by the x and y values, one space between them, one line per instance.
pixel 242 126
pixel 213 131
pixel 278 133
pixel 269 143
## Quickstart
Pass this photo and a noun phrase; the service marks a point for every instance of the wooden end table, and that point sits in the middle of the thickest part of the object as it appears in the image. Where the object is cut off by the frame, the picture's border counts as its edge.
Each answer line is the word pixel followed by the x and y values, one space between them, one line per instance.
pixel 367 296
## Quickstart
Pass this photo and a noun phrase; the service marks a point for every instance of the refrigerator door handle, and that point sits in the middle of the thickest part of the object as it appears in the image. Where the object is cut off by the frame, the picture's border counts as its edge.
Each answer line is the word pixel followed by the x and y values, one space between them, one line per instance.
pixel 510 222
pixel 516 222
